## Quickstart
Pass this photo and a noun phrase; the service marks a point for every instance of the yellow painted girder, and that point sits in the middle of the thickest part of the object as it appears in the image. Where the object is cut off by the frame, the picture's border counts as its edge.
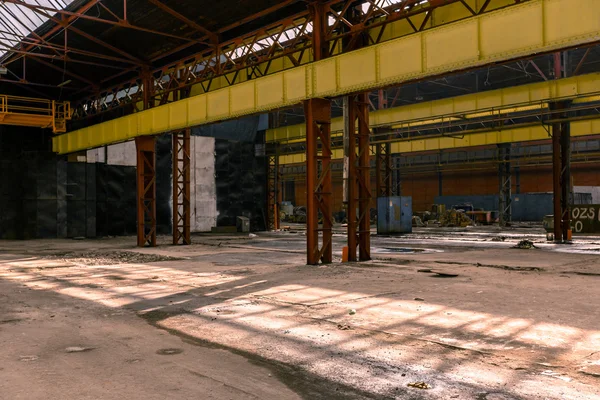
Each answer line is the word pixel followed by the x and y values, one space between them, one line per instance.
pixel 477 105
pixel 441 15
pixel 517 135
pixel 518 31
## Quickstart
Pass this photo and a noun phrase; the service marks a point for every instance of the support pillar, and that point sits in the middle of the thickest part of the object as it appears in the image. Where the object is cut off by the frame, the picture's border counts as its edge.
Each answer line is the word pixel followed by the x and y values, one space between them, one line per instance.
pixel 273 192
pixel 318 181
pixel 181 187
pixel 561 171
pixel 384 170
pixel 566 197
pixel 146 190
pixel 505 183
pixel 359 177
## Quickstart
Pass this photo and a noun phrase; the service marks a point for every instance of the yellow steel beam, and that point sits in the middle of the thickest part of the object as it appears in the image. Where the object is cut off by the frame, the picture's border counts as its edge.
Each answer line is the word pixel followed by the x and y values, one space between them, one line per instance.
pixel 477 105
pixel 589 127
pixel 443 14
pixel 519 31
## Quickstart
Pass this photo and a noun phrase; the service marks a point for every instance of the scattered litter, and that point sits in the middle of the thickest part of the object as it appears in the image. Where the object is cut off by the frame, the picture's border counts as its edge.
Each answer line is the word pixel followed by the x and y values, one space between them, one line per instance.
pixel 426 270
pixel 169 352
pixel 252 235
pixel 352 312
pixel 419 299
pixel 419 385
pixel 455 218
pixel 343 327
pixel 76 349
pixel 98 257
pixel 28 358
pixel 417 222
pixel 553 374
pixel 443 274
pixel 525 245
pixel 498 239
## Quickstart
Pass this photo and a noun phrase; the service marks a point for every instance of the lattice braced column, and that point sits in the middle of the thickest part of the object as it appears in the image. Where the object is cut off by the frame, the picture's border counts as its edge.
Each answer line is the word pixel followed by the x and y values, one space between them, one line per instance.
pixel 359 179
pixel 505 183
pixel 384 170
pixel 318 181
pixel 146 190
pixel 273 193
pixel 181 187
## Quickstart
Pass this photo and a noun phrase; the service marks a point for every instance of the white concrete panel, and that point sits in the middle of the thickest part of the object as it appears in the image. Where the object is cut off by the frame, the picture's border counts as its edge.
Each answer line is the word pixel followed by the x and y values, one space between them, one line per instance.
pixel 95 156
pixel 122 154
pixel 204 189
pixel 594 190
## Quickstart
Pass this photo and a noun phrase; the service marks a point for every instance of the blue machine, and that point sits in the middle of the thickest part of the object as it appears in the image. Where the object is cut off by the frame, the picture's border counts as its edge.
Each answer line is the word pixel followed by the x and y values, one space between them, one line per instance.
pixel 394 215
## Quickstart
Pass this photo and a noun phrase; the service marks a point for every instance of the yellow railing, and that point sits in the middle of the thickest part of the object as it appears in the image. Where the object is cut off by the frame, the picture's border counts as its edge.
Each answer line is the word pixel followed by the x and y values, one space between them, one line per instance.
pixel 34 112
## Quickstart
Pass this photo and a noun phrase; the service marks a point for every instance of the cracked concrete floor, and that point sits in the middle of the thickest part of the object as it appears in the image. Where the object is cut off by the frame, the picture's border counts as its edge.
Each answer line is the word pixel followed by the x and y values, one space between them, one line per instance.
pixel 238 317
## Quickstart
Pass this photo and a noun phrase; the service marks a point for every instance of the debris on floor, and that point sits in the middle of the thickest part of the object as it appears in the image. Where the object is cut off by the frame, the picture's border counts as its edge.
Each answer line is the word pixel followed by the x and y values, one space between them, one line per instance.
pixel 556 375
pixel 93 258
pixel 77 349
pixel 419 385
pixel 525 245
pixel 417 222
pixel 444 274
pixel 352 312
pixel 454 218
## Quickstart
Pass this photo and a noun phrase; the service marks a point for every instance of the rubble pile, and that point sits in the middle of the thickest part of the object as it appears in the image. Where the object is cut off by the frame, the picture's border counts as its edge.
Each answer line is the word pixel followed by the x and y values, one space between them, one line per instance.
pixel 454 218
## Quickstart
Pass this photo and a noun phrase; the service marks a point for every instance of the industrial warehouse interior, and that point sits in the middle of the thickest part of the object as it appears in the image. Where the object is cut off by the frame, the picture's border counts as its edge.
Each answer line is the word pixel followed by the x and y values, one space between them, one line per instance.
pixel 300 199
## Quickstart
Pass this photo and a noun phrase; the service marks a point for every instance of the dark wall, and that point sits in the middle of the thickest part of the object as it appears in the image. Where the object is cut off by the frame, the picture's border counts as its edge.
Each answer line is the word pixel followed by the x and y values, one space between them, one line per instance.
pixel 115 200
pixel 164 184
pixel 32 185
pixel 241 184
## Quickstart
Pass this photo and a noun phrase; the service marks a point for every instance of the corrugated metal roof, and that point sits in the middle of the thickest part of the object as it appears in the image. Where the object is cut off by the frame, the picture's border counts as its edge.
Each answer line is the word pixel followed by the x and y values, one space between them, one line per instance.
pixel 18 21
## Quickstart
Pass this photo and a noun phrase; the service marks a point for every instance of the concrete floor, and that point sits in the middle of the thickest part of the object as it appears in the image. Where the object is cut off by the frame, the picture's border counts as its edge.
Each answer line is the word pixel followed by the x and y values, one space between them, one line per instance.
pixel 233 317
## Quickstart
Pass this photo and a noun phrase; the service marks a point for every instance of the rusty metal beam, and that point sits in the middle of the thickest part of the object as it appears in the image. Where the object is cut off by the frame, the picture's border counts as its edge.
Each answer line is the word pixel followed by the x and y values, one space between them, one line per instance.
pixel 82 10
pixel 505 185
pixel 358 176
pixel 273 192
pixel 213 36
pixel 146 190
pixel 181 187
pixel 257 59
pixel 318 181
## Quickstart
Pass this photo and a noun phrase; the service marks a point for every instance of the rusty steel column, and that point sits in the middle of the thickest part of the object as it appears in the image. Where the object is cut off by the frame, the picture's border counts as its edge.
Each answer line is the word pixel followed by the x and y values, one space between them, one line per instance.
pixel 364 178
pixel 146 190
pixel 383 169
pixel 383 158
pixel 566 200
pixel 318 181
pixel 181 187
pixel 556 157
pixel 320 46
pixel 359 178
pixel 273 192
pixel 350 194
pixel 556 178
pixel 505 183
